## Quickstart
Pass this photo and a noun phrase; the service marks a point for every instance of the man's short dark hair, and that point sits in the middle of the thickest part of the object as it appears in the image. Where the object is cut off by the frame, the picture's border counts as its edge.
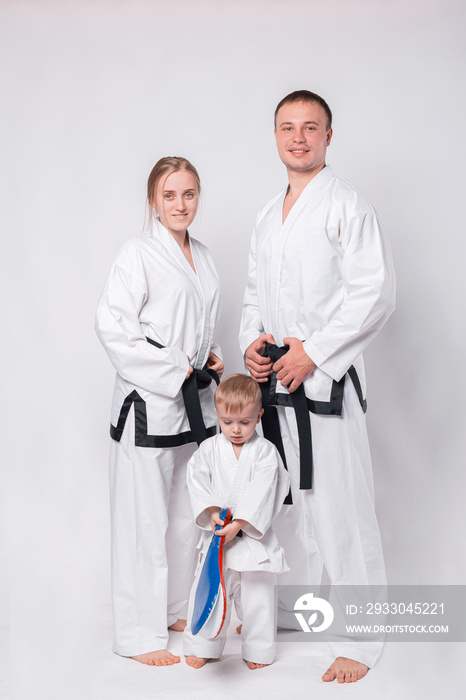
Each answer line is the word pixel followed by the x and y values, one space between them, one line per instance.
pixel 305 96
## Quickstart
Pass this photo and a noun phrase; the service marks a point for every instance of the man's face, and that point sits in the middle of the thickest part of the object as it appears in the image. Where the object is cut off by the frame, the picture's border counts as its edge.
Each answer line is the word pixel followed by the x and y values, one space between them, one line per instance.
pixel 302 136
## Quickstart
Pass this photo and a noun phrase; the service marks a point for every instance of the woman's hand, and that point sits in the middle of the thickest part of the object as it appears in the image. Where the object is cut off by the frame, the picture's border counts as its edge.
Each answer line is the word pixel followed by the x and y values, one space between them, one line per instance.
pixel 215 363
pixel 190 371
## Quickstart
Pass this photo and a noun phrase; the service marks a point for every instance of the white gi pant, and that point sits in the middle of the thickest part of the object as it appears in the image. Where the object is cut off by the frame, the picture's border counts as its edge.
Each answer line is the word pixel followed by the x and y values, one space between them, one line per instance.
pixel 153 541
pixel 333 525
pixel 253 595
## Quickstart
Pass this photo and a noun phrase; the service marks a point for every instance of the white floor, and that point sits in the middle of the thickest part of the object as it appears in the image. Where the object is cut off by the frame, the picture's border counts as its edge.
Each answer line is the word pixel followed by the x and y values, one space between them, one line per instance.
pixel 68 657
pixel 406 671
pixel 80 666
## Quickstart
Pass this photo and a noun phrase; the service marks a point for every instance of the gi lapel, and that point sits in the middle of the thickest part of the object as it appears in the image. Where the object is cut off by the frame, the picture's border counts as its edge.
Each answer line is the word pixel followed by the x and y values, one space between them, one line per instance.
pixel 241 477
pixel 242 473
pixel 197 280
pixel 172 246
pixel 280 235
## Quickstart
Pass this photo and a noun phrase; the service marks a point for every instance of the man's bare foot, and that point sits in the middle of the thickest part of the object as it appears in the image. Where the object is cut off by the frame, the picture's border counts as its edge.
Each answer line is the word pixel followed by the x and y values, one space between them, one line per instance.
pixel 178 626
pixel 196 661
pixel 253 665
pixel 345 671
pixel 157 658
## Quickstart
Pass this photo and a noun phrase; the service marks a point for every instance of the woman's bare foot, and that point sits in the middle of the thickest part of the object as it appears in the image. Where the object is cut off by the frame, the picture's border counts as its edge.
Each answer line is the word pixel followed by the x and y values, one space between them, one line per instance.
pixel 196 661
pixel 253 665
pixel 345 671
pixel 178 626
pixel 162 657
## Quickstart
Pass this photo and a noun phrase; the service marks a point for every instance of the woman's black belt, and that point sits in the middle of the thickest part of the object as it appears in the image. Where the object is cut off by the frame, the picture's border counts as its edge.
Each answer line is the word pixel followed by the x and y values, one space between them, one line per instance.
pixel 197 380
pixel 302 405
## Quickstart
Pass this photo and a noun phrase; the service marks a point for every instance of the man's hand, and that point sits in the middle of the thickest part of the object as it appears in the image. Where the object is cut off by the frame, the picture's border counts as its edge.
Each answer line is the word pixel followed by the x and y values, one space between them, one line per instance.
pixel 230 531
pixel 215 363
pixel 293 368
pixel 259 366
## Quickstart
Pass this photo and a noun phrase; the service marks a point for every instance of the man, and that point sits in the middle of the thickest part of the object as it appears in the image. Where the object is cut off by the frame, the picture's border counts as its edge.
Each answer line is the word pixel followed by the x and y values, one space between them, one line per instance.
pixel 320 282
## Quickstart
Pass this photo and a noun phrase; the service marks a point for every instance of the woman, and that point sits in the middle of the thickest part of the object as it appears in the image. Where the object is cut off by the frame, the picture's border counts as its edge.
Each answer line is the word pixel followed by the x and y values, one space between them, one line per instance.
pixel 156 319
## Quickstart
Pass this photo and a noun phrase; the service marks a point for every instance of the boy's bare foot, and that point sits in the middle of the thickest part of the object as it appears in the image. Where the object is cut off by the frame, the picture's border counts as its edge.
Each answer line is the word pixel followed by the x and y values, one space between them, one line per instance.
pixel 178 626
pixel 196 661
pixel 345 671
pixel 253 665
pixel 162 657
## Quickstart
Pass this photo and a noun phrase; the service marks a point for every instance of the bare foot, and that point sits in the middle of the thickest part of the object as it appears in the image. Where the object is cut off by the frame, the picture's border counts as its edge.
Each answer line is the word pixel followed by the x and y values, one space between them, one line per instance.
pixel 196 661
pixel 157 658
pixel 345 671
pixel 253 665
pixel 178 626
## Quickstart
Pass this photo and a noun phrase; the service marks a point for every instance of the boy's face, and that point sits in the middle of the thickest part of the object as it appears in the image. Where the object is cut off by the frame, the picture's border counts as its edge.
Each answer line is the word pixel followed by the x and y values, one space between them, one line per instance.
pixel 238 426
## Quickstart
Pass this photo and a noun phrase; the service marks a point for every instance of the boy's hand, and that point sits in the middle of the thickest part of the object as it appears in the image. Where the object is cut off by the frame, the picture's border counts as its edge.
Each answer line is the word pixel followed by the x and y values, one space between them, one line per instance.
pixel 230 531
pixel 215 516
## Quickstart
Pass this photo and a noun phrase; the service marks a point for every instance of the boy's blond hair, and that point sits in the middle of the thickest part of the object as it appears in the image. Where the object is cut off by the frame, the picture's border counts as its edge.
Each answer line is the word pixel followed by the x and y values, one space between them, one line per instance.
pixel 237 391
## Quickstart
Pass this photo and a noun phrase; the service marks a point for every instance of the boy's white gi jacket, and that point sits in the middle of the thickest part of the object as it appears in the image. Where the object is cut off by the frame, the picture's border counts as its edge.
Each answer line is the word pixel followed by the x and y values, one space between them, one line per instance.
pixel 152 292
pixel 258 483
pixel 325 276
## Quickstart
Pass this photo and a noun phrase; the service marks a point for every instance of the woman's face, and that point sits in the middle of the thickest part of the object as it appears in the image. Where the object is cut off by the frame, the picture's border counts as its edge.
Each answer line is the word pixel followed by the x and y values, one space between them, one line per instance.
pixel 176 201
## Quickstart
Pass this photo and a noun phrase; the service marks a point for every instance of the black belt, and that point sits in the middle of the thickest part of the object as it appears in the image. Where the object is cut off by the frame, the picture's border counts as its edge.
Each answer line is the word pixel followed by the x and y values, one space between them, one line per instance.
pixel 302 405
pixel 197 380
pixel 271 425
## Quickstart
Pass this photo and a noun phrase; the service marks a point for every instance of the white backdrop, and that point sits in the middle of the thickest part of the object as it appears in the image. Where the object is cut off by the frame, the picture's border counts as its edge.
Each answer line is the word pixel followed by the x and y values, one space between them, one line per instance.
pixel 94 93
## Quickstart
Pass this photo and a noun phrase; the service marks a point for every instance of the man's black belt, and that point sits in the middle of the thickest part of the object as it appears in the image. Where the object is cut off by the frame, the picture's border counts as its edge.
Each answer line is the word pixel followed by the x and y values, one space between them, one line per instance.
pixel 302 406
pixel 197 380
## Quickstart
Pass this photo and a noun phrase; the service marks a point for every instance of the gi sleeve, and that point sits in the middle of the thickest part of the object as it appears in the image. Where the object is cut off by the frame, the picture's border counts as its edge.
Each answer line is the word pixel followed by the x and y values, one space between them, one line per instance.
pixel 263 497
pixel 201 491
pixel 251 324
pixel 217 350
pixel 158 370
pixel 368 281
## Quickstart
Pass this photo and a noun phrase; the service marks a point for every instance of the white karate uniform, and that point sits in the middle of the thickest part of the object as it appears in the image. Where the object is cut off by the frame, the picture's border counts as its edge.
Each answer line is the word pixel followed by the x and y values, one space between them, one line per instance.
pixel 152 292
pixel 254 487
pixel 325 276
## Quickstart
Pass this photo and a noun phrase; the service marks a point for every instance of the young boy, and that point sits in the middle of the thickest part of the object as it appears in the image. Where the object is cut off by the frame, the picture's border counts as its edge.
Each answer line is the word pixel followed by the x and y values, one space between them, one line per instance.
pixel 243 471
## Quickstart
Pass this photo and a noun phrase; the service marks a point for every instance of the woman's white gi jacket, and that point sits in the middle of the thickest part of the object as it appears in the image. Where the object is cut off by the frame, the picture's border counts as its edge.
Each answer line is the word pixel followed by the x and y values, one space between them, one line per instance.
pixel 254 487
pixel 153 293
